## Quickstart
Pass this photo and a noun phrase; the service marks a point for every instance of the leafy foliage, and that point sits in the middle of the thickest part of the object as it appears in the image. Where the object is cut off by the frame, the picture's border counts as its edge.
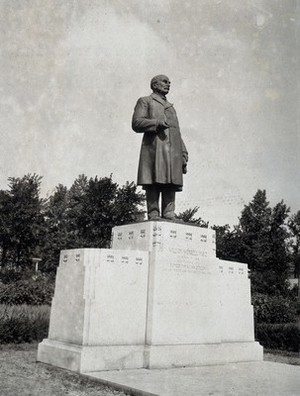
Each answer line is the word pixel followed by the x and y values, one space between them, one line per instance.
pixel 273 309
pixel 294 228
pixel 229 243
pixel 81 216
pixel 84 215
pixel 260 240
pixel 21 220
pixel 188 217
pixel 12 274
pixel 34 290
pixel 282 336
pixel 59 235
pixel 264 238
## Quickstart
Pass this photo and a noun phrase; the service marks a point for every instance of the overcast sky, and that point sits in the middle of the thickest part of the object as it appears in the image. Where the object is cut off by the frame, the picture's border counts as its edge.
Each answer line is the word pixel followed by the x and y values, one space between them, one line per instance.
pixel 71 72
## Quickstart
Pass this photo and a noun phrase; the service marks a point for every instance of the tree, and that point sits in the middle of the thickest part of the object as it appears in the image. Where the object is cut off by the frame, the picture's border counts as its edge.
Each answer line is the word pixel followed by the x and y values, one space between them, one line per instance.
pixel 99 207
pixel 22 220
pixel 127 204
pixel 264 235
pixel 5 234
pixel 294 227
pixel 278 239
pixel 255 229
pixel 84 215
pixel 188 217
pixel 229 243
pixel 59 234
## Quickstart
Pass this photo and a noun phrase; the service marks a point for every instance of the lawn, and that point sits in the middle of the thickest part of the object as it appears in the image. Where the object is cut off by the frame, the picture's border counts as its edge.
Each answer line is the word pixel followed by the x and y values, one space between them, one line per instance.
pixel 282 357
pixel 23 323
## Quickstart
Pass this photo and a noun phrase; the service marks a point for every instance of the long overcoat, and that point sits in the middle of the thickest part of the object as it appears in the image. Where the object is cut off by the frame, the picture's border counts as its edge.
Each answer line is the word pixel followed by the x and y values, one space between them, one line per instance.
pixel 163 151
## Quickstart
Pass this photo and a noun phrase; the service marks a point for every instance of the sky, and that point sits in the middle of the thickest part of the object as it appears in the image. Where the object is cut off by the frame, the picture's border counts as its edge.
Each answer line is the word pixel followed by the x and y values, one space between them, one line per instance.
pixel 71 72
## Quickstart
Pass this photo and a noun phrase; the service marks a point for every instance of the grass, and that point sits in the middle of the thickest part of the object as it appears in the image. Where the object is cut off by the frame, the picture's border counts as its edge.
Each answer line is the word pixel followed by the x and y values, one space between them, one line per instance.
pixel 23 323
pixel 31 311
pixel 21 375
pixel 273 355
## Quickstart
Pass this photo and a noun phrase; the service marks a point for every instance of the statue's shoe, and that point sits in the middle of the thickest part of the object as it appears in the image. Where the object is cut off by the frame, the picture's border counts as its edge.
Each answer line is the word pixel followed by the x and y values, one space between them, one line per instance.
pixel 173 218
pixel 154 218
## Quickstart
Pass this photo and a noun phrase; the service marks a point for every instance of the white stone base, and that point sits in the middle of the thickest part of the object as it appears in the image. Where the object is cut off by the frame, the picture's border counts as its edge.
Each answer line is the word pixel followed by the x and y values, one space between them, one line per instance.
pixel 170 304
pixel 84 359
pixel 195 355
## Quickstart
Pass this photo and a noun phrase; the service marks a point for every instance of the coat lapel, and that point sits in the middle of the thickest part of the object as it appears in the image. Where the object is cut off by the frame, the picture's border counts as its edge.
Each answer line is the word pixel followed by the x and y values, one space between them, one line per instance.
pixel 158 99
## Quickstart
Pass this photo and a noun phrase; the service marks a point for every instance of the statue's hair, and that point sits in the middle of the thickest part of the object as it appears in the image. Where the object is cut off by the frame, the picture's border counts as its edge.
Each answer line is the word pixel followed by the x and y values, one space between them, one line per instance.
pixel 155 79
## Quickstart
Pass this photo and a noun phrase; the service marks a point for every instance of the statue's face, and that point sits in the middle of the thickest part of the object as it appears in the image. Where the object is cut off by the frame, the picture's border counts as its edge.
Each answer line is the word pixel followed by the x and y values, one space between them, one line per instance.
pixel 162 85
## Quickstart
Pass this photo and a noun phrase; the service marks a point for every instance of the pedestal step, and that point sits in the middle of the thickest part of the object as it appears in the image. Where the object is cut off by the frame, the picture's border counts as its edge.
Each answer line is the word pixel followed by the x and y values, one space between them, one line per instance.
pixel 86 359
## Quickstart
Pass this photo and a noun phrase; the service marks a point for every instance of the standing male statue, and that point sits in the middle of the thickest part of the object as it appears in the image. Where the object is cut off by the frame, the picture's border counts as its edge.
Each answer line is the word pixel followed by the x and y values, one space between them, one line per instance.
pixel 163 156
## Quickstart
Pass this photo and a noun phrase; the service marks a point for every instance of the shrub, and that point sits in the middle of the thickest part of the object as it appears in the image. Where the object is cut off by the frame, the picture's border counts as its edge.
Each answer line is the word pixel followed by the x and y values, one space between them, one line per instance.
pixel 273 309
pixel 23 323
pixel 11 274
pixel 36 290
pixel 283 336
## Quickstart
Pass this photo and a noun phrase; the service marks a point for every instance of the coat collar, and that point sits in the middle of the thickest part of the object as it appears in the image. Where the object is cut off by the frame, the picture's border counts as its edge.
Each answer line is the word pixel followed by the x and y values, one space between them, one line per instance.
pixel 165 103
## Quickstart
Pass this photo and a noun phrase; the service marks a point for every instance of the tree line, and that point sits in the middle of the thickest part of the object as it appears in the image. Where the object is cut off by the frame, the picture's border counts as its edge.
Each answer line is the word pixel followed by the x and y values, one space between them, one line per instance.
pixel 266 238
pixel 79 216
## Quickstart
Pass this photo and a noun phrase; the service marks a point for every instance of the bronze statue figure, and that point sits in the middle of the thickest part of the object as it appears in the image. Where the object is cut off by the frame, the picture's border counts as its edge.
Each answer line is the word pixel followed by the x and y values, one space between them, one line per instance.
pixel 163 157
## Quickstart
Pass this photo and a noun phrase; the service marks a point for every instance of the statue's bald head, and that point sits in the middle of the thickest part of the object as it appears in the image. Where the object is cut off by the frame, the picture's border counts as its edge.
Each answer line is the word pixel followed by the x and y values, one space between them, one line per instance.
pixel 160 84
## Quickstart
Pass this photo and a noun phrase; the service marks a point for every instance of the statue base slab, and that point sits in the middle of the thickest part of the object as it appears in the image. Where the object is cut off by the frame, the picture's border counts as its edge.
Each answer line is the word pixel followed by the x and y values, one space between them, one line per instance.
pixel 85 359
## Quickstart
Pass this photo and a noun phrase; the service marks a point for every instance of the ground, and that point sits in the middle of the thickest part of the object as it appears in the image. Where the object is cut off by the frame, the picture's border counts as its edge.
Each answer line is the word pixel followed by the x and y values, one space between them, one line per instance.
pixel 282 357
pixel 21 375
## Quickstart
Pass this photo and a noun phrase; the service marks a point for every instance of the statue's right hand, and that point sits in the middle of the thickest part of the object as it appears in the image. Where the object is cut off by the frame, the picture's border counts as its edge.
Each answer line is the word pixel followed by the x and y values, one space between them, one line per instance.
pixel 162 125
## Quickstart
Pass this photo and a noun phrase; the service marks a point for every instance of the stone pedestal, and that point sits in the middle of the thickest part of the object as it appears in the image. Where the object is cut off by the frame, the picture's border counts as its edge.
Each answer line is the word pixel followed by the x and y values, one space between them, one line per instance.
pixel 159 298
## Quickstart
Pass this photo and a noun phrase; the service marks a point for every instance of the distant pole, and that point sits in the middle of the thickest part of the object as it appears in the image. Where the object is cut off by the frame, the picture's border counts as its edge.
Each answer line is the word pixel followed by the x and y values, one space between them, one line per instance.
pixel 36 261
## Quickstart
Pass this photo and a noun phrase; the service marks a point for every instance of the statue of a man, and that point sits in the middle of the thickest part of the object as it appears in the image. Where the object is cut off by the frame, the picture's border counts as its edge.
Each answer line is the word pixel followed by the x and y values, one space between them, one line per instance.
pixel 163 156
